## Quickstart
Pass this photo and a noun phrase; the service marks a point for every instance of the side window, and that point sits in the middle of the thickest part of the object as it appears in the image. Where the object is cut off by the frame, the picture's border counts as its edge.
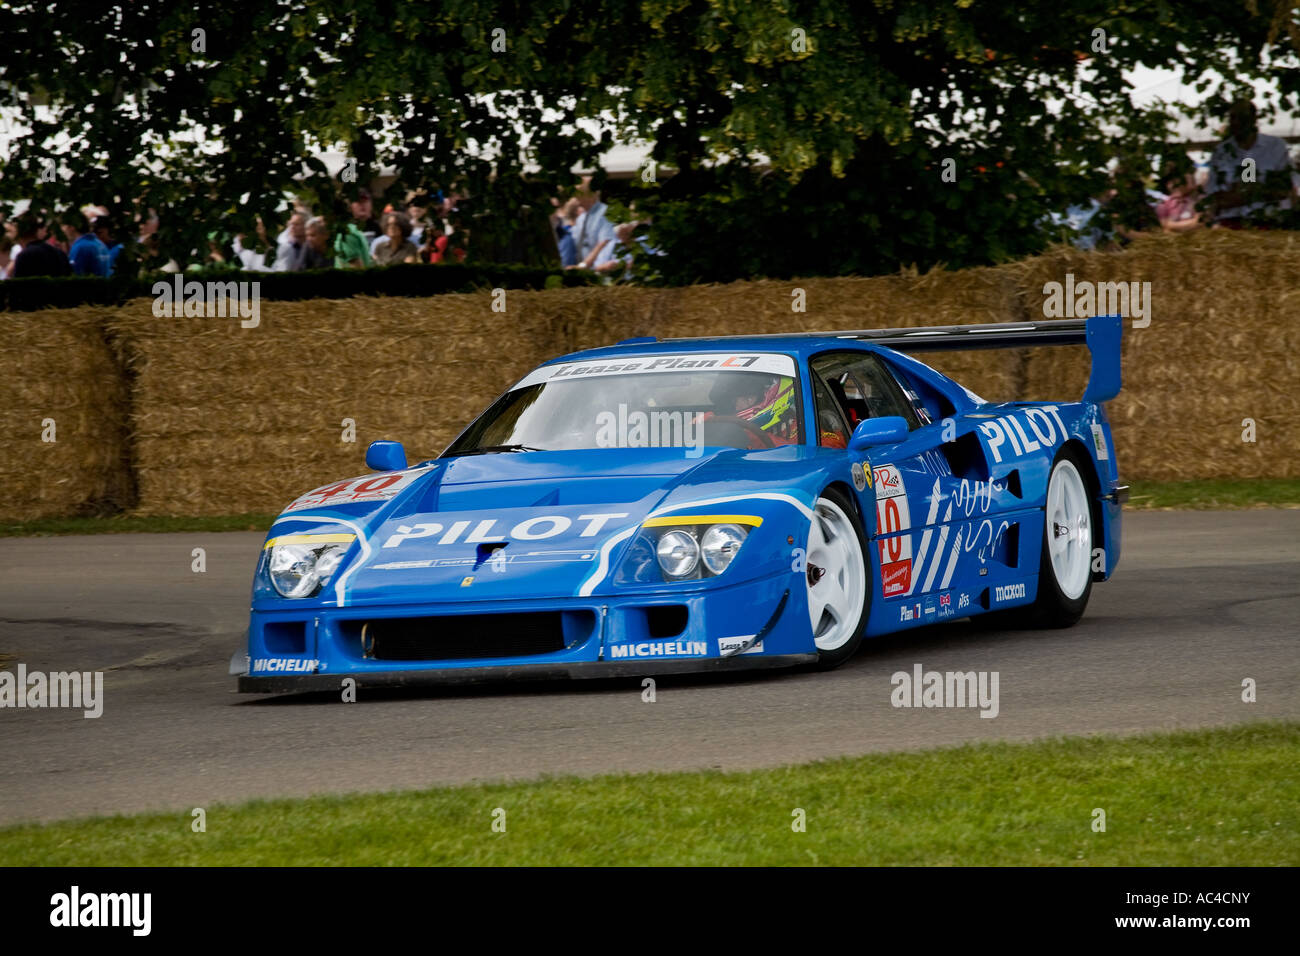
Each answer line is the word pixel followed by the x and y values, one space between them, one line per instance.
pixel 931 405
pixel 832 432
pixel 863 387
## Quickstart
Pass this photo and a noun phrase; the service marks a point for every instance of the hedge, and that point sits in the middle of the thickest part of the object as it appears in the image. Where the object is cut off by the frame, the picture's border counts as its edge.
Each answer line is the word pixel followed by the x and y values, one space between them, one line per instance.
pixel 402 281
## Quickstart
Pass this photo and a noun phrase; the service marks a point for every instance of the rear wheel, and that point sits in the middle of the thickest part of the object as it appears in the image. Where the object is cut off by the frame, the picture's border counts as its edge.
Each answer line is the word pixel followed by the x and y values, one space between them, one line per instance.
pixel 1065 561
pixel 836 579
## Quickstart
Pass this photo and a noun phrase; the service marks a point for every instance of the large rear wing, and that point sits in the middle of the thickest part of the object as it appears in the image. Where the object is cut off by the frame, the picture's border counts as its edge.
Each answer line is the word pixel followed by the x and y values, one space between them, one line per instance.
pixel 1100 333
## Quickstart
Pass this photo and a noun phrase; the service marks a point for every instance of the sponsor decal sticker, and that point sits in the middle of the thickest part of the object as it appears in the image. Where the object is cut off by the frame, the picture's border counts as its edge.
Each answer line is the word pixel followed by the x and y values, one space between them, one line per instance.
pixel 731 643
pixel 1025 431
pixel 859 476
pixel 1099 443
pixel 889 483
pixel 1008 592
pixel 707 361
pixel 946 608
pixel 896 578
pixel 909 612
pixel 485 530
pixel 368 488
pixel 893 521
pixel 659 649
pixel 283 665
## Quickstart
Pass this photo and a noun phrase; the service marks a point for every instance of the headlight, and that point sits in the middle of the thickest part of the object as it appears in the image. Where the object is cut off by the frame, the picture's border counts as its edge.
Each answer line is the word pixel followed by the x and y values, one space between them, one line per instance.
pixel 300 565
pixel 719 545
pixel 678 553
pixel 684 549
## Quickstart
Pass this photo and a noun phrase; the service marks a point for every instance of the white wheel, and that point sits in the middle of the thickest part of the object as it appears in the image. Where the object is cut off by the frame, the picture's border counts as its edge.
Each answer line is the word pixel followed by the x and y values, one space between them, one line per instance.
pixel 1069 529
pixel 836 577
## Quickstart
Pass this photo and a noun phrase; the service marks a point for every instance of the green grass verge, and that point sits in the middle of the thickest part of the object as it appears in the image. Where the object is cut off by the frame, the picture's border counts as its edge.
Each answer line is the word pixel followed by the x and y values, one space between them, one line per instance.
pixel 1146 496
pixel 134 524
pixel 1201 798
pixel 1215 494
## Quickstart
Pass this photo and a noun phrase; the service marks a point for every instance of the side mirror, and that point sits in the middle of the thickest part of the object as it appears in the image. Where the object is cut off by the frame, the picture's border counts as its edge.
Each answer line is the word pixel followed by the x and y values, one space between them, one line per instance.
pixel 885 430
pixel 389 456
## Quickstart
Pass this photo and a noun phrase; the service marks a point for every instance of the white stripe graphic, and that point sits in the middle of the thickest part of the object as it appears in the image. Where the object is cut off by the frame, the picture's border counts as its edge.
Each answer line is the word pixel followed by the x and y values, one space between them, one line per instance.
pixel 938 548
pixel 340 594
pixel 767 495
pixel 952 561
pixel 602 567
pixel 919 563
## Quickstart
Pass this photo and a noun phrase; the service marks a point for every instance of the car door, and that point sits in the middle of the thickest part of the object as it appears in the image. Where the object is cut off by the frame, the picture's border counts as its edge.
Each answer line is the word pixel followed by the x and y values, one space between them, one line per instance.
pixel 918 501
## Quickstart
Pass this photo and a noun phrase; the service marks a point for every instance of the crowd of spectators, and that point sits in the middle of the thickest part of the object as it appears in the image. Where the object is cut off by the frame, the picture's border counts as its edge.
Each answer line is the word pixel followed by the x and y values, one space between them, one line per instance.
pixel 1250 182
pixel 428 228
pixel 86 241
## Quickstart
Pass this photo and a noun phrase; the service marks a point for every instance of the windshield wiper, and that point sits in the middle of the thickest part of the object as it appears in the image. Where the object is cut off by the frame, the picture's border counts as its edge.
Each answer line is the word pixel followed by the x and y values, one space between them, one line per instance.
pixel 493 449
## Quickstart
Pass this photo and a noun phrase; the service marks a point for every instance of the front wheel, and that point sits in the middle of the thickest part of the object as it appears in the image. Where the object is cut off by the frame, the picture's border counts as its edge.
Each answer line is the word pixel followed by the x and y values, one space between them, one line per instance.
pixel 836 579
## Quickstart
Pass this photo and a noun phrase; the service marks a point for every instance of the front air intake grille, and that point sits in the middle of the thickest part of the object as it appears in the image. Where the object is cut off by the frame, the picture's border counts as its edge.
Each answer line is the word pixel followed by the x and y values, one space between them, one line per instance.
pixel 466 636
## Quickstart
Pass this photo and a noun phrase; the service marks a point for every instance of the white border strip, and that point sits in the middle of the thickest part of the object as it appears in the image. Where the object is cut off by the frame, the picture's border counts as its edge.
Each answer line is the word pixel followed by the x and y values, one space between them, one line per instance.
pixel 602 567
pixel 339 595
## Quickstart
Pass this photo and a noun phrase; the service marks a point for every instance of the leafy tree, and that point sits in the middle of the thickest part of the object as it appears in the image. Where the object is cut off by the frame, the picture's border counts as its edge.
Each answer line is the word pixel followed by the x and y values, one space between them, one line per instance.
pixel 791 136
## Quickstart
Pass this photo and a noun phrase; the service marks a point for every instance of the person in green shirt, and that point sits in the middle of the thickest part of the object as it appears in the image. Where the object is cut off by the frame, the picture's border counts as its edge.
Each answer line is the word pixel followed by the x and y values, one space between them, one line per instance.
pixel 351 251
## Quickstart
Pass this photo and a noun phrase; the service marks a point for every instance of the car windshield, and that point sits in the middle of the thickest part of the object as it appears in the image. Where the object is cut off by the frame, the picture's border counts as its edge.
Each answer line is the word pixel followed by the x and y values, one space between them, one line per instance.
pixel 679 401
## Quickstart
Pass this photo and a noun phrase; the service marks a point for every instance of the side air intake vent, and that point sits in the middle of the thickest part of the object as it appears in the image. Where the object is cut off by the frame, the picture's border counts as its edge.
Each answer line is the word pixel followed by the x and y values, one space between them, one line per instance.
pixel 966 457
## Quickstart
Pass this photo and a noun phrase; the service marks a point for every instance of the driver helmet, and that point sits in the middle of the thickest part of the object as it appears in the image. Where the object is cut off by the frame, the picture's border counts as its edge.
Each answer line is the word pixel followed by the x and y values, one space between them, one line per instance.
pixel 741 394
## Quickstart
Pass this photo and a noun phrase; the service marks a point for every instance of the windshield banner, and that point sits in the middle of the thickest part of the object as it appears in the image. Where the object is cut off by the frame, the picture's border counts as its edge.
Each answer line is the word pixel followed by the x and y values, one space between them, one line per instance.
pixel 686 362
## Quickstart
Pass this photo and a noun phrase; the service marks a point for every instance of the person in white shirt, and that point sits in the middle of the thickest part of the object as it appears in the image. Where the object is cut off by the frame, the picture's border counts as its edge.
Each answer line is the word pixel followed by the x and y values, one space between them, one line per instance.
pixel 593 233
pixel 291 253
pixel 1240 190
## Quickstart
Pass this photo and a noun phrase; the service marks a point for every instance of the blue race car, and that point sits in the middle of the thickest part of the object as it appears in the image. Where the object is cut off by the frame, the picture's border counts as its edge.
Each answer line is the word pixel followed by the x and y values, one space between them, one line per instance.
pixel 699 504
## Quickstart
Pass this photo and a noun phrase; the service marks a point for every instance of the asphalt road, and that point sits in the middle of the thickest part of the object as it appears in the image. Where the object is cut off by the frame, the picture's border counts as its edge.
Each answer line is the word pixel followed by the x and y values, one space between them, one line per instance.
pixel 1201 601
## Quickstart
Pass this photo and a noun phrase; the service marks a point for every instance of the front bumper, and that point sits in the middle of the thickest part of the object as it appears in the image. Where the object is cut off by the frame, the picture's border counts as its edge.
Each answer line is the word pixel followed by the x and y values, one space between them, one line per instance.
pixel 589 670
pixel 750 625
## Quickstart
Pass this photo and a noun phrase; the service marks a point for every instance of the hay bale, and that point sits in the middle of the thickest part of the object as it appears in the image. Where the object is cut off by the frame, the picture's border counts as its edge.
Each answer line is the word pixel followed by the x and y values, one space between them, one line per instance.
pixel 1221 347
pixel 56 364
pixel 236 420
pixel 229 419
pixel 766 307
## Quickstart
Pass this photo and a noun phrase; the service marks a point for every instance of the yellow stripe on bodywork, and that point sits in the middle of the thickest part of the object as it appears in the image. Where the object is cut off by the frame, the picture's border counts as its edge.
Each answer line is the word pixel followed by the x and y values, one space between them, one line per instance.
pixel 659 522
pixel 310 539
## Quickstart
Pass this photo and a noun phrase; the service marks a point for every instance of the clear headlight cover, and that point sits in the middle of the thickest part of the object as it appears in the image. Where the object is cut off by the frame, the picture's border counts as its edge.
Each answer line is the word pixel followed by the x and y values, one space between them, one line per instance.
pixel 300 565
pixel 678 553
pixel 720 545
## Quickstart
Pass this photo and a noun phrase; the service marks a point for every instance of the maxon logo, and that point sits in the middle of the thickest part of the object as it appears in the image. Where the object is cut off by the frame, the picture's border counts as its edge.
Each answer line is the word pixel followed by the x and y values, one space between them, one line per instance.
pixel 1008 592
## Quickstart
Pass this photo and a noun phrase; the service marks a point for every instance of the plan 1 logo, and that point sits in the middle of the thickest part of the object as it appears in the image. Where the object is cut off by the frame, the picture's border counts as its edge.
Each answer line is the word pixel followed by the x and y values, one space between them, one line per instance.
pixel 909 612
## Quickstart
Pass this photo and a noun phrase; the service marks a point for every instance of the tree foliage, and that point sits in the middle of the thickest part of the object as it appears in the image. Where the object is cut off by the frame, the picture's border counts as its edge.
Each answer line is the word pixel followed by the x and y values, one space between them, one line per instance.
pixel 792 136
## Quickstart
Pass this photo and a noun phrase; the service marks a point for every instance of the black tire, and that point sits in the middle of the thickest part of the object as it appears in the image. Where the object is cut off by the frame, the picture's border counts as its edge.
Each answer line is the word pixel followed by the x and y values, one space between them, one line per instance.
pixel 1053 607
pixel 828 659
